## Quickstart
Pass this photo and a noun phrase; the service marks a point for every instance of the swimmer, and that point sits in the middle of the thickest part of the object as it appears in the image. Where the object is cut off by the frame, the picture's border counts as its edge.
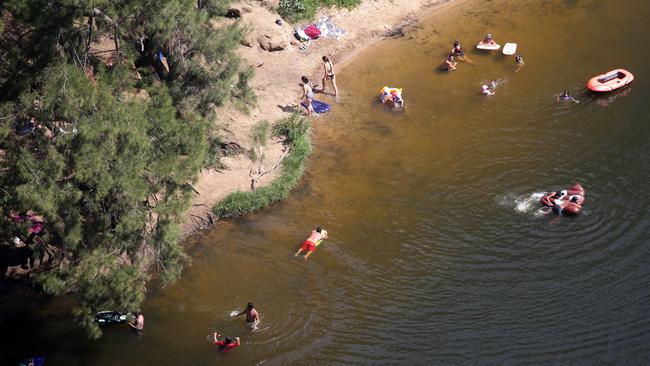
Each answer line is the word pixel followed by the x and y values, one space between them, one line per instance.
pixel 312 242
pixel 519 60
pixel 566 97
pixel 449 64
pixel 252 316
pixel 489 90
pixel 227 344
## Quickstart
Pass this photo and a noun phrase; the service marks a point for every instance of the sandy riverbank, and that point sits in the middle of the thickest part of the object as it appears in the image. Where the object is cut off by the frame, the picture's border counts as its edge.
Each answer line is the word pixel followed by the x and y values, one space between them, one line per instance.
pixel 277 85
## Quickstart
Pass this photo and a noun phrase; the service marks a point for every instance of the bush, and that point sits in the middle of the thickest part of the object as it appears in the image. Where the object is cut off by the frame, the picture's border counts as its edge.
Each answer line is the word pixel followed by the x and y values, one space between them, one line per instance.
pixel 305 9
pixel 295 130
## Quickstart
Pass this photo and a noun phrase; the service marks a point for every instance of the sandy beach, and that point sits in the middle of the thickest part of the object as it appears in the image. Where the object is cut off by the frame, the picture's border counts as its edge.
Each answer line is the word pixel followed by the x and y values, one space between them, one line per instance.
pixel 277 85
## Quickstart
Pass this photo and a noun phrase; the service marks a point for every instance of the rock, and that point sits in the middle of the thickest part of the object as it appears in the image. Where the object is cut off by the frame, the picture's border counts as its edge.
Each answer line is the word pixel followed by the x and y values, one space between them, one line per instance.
pixel 272 39
pixel 246 9
pixel 233 13
pixel 247 40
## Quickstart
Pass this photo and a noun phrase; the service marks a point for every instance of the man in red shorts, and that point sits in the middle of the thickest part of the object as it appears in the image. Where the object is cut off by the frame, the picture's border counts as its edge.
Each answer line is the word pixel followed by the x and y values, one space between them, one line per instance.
pixel 312 242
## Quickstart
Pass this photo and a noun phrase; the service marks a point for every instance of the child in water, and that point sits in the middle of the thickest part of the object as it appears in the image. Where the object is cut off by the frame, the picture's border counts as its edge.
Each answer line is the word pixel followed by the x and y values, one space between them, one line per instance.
pixel 566 97
pixel 449 64
pixel 489 90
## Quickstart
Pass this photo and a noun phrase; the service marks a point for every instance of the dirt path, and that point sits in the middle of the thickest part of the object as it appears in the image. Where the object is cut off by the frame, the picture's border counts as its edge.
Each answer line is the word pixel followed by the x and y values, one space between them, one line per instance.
pixel 277 84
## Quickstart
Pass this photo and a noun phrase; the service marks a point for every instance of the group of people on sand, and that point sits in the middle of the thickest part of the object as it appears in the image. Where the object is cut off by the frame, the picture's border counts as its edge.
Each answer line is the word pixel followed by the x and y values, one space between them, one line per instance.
pixel 308 88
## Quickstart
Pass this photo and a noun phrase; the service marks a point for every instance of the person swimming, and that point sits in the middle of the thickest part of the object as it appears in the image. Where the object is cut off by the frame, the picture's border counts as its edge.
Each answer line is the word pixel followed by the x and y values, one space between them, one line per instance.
pixel 489 90
pixel 227 344
pixel 519 60
pixel 566 97
pixel 317 235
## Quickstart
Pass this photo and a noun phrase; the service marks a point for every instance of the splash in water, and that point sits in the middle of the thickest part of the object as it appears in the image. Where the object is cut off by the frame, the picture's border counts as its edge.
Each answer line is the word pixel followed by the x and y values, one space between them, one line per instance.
pixel 527 203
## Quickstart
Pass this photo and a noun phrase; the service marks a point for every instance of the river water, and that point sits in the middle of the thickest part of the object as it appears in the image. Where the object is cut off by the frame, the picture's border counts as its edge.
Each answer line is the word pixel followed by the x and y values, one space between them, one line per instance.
pixel 438 253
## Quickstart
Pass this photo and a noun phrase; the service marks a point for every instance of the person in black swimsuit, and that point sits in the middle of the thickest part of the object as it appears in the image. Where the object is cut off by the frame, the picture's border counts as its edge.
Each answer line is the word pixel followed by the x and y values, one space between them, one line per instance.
pixel 329 74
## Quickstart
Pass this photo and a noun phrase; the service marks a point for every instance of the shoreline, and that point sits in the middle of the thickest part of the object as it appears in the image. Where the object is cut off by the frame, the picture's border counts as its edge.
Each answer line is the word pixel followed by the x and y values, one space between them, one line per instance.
pixel 277 87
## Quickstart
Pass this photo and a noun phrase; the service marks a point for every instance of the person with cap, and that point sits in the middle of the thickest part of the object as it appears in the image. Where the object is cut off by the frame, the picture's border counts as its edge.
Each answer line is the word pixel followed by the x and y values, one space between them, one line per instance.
pixel 488 39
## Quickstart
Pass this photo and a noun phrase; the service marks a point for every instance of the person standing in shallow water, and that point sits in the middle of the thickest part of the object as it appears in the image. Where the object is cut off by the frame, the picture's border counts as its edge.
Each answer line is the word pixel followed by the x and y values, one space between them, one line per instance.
pixel 252 316
pixel 138 324
pixel 328 68
pixel 308 95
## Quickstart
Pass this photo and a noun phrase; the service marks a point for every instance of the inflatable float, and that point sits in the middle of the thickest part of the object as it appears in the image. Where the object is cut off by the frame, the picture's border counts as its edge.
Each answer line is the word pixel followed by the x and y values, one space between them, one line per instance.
pixel 610 80
pixel 567 202
pixel 488 46
pixel 392 97
pixel 112 317
pixel 509 48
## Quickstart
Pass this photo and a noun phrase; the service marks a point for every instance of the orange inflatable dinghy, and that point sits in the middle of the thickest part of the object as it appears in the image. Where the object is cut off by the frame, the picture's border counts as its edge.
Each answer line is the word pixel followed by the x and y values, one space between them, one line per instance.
pixel 611 80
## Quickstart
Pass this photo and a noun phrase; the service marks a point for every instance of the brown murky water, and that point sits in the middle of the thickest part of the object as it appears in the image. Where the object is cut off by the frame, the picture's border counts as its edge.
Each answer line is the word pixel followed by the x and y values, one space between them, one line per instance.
pixel 438 253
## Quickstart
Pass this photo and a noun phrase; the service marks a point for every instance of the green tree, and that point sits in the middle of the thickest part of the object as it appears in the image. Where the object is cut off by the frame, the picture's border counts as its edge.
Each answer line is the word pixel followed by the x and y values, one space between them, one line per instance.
pixel 114 141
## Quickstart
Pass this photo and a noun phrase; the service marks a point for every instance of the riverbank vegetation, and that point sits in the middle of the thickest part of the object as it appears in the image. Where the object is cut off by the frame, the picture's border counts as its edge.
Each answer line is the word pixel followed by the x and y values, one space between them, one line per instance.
pixel 295 132
pixel 105 121
pixel 306 9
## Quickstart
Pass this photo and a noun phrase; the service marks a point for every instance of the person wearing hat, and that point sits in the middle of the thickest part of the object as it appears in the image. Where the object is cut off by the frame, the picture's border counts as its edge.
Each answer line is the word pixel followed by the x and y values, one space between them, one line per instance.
pixel 488 39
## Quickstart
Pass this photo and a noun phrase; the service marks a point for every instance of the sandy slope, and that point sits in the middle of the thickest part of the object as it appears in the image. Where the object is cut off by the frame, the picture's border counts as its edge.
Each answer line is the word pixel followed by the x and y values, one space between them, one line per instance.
pixel 277 84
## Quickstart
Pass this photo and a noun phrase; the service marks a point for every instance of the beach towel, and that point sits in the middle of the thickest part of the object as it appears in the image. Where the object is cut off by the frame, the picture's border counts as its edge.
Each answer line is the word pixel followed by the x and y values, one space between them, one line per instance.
pixel 329 29
pixel 319 107
pixel 312 31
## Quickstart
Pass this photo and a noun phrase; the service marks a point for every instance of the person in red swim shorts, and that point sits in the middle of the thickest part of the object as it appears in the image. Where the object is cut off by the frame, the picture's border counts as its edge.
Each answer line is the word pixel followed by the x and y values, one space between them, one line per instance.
pixel 312 242
pixel 227 344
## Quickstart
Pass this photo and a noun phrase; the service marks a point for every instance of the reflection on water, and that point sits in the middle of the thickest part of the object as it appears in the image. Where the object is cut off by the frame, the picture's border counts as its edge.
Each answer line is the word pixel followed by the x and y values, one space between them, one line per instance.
pixel 438 252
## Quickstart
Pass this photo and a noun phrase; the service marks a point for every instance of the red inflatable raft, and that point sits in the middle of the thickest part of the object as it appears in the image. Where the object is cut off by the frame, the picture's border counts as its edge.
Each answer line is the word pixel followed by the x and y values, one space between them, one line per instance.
pixel 611 80
pixel 568 201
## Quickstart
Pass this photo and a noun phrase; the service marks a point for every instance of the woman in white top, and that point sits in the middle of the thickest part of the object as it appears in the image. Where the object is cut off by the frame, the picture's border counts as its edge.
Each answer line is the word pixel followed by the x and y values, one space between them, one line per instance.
pixel 308 94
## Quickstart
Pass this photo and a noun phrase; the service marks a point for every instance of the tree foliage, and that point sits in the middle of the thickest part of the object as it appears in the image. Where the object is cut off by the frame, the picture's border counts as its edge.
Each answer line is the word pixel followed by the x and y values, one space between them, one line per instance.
pixel 104 124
